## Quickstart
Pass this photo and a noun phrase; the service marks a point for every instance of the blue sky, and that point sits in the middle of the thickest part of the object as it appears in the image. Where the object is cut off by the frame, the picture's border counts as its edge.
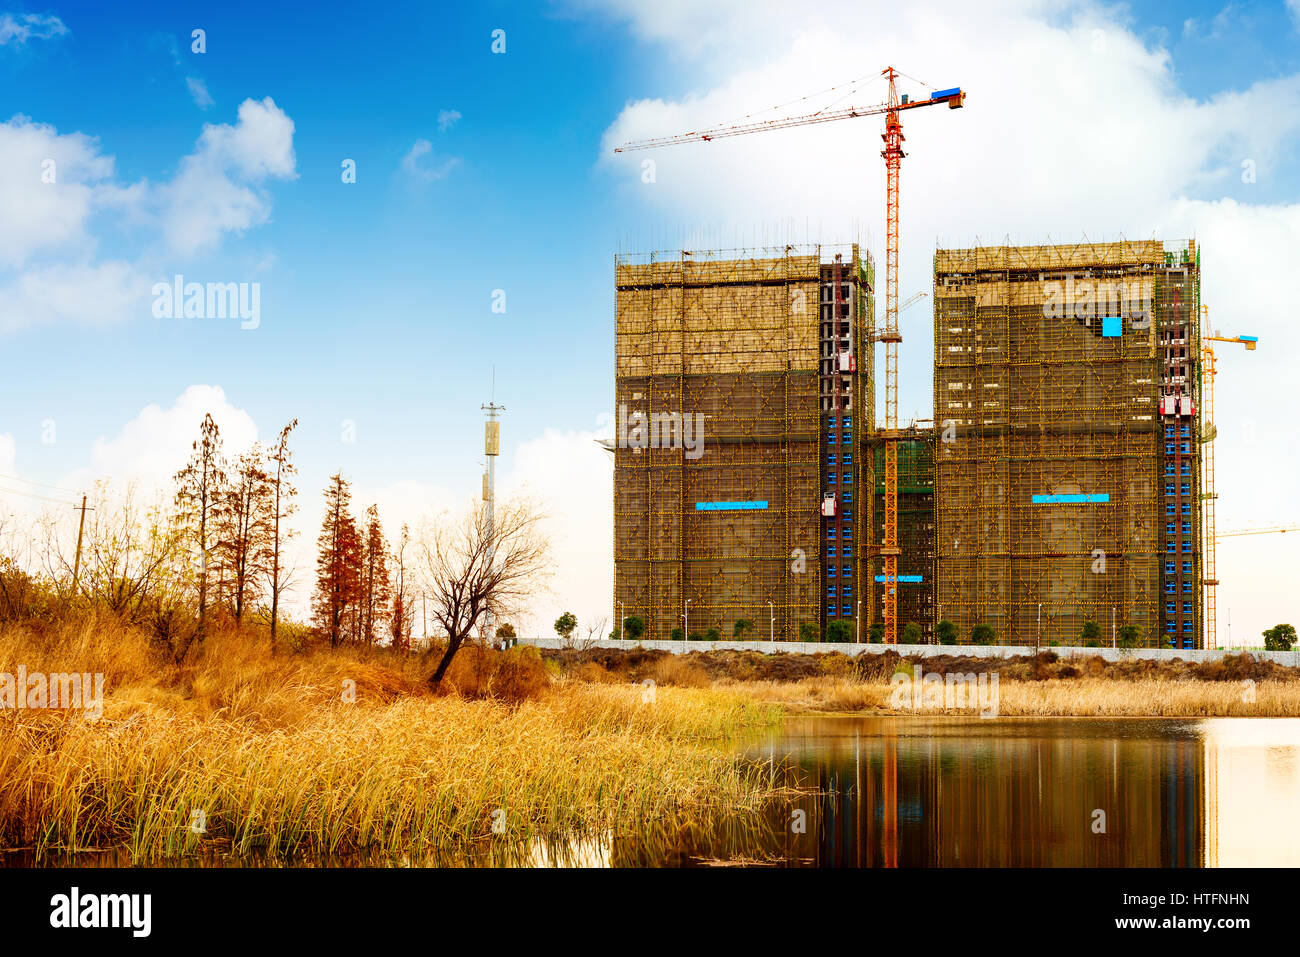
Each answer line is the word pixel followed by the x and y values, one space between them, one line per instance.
pixel 376 296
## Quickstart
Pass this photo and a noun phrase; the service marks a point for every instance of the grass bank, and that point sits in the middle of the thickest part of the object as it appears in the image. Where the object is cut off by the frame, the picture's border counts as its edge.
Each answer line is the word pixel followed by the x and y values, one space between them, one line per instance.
pixel 1044 686
pixel 331 752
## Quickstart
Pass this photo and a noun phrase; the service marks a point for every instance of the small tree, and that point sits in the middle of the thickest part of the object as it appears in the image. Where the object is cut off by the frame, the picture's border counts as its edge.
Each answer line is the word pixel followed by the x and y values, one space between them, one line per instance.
pixel 911 634
pixel 741 628
pixel 713 634
pixel 676 634
pixel 506 631
pixel 983 634
pixel 565 624
pixel 810 632
pixel 1130 636
pixel 633 628
pixel 482 567
pixel 839 631
pixel 876 633
pixel 1279 638
pixel 946 632
pixel 1090 636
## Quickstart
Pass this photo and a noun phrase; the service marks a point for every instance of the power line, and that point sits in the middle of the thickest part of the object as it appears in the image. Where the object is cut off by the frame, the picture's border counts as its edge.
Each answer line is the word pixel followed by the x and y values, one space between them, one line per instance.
pixel 61 488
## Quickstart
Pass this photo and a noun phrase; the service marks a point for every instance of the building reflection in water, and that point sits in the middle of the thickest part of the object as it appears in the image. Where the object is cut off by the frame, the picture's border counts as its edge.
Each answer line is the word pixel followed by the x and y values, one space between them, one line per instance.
pixel 918 792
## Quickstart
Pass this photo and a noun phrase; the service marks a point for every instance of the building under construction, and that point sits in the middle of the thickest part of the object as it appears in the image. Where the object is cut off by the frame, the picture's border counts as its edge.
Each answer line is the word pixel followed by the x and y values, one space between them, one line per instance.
pixel 1067 466
pixel 740 406
pixel 1059 483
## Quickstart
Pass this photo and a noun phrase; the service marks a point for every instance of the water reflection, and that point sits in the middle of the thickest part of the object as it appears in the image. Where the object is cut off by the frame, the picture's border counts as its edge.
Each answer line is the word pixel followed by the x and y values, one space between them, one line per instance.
pixel 949 792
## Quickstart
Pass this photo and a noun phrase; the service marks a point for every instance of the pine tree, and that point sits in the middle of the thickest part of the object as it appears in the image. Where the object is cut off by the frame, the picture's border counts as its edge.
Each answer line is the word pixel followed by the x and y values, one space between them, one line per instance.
pixel 198 498
pixel 376 590
pixel 338 564
pixel 244 531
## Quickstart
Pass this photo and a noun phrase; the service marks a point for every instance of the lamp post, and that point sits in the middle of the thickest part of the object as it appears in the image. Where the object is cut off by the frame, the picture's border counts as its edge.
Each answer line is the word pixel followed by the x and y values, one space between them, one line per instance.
pixel 1038 633
pixel 620 620
pixel 857 624
pixel 1113 640
pixel 771 634
pixel 686 628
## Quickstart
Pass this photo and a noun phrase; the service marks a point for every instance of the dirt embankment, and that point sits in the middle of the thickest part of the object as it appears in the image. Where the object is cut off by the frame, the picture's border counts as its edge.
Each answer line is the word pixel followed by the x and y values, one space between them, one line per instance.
pixel 704 667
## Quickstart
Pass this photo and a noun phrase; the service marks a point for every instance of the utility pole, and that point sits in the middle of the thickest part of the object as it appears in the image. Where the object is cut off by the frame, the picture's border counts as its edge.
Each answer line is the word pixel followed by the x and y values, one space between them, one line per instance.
pixel 491 448
pixel 81 528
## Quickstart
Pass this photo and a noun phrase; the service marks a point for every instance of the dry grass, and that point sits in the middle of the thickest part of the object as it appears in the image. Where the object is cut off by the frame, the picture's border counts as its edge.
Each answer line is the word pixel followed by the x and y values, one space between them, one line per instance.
pixel 276 758
pixel 1082 697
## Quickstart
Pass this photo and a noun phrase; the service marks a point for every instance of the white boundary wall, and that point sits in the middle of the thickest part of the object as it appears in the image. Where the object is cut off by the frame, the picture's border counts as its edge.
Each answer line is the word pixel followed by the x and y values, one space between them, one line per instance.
pixel 922 651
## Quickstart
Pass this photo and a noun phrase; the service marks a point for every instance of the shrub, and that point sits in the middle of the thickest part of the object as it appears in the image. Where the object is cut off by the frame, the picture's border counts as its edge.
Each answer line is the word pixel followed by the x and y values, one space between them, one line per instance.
pixel 876 633
pixel 810 632
pixel 676 634
pixel 633 628
pixel 946 632
pixel 713 634
pixel 983 634
pixel 1279 638
pixel 1090 636
pixel 1130 636
pixel 839 631
pixel 742 626
pixel 911 634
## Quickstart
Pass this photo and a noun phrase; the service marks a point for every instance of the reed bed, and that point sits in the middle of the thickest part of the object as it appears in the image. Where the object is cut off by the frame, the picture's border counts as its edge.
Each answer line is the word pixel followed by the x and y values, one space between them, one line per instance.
pixel 254 754
pixel 1072 697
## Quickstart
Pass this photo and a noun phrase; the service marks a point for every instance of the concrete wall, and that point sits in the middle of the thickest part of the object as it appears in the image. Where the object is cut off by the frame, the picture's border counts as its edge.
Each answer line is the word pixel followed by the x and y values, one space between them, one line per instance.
pixel 923 651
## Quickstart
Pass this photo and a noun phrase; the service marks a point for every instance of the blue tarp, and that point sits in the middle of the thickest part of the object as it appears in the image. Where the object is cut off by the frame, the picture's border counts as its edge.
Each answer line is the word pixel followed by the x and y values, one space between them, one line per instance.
pixel 727 506
pixel 1071 499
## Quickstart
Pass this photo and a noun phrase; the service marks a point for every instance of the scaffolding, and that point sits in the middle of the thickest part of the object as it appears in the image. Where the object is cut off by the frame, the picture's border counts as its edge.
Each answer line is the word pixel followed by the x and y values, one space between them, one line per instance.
pixel 916 566
pixel 717 474
pixel 1049 391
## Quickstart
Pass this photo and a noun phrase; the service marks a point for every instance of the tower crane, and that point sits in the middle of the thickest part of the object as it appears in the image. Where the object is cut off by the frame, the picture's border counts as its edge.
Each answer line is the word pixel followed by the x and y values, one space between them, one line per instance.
pixel 1271 530
pixel 1209 495
pixel 893 154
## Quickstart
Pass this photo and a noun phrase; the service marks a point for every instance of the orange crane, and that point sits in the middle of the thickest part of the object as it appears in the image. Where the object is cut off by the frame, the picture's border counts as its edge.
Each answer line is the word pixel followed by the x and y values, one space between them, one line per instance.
pixel 1209 495
pixel 893 154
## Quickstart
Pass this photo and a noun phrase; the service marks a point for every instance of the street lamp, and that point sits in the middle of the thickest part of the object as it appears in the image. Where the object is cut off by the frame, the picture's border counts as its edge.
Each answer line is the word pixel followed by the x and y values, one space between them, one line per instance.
pixel 1113 642
pixel 686 629
pixel 857 624
pixel 620 620
pixel 771 634
pixel 1038 634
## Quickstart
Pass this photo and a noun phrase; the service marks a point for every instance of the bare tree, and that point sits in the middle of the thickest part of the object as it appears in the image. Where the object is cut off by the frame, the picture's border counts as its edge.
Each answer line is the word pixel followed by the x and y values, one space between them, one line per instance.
pixel 595 631
pixel 401 621
pixel 479 566
pixel 281 469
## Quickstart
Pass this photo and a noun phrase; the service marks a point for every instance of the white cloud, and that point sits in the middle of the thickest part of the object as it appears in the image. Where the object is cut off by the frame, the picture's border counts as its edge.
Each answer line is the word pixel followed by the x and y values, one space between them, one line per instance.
pixel 213 190
pixel 49 185
pixel 16 31
pixel 53 186
pixel 199 91
pixel 447 119
pixel 154 445
pixel 75 293
pixel 413 163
